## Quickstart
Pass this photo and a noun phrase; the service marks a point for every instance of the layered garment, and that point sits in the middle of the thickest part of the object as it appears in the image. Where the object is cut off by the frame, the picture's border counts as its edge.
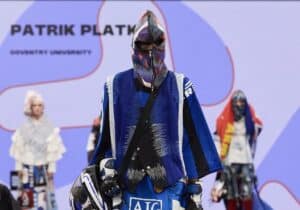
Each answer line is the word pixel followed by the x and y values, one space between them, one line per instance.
pixel 176 143
pixel 36 146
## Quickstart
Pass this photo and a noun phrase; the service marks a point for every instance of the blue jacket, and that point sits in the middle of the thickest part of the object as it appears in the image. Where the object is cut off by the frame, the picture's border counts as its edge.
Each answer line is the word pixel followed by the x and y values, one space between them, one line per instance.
pixel 186 145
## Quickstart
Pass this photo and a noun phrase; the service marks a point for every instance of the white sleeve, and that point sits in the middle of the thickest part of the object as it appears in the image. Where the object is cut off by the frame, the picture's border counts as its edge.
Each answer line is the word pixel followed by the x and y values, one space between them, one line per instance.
pixel 52 167
pixel 18 165
pixel 55 148
pixel 91 141
pixel 217 142
pixel 17 149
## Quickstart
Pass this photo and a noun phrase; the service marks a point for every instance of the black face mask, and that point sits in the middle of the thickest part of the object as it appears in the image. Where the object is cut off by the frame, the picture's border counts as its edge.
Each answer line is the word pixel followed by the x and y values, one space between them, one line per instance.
pixel 238 110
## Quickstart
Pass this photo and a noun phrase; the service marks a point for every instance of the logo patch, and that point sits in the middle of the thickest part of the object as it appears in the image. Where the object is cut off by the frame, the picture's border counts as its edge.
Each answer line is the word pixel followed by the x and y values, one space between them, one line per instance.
pixel 188 92
pixel 144 204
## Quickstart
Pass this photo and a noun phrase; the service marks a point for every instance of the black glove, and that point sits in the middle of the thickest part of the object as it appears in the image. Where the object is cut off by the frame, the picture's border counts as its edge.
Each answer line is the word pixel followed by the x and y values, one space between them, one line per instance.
pixel 191 205
pixel 110 186
pixel 194 191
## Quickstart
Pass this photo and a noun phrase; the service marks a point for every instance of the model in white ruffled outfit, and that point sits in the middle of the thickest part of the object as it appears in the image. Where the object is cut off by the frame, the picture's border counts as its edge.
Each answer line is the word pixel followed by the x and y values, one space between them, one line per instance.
pixel 36 146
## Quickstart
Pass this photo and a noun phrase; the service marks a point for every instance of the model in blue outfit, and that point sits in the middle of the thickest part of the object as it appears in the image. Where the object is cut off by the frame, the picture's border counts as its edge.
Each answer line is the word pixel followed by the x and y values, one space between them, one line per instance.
pixel 175 148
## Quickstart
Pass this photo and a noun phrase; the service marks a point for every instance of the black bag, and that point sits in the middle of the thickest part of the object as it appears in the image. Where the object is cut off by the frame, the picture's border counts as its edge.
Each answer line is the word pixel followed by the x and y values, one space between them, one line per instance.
pixel 137 133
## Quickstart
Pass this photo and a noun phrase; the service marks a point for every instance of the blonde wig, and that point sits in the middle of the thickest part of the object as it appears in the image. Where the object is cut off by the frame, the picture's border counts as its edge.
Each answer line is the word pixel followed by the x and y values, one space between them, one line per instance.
pixel 31 96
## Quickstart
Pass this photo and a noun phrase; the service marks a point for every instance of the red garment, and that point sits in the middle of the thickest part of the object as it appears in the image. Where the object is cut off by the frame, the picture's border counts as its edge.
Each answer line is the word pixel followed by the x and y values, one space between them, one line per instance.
pixel 225 128
pixel 233 204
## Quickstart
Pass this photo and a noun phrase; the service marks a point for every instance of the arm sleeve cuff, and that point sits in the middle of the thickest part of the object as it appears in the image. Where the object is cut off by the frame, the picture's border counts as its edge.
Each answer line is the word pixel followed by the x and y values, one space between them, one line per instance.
pixel 18 166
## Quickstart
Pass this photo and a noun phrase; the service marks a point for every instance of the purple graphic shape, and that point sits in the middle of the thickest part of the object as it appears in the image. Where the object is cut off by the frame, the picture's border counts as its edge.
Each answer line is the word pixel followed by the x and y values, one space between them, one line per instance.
pixel 24 69
pixel 282 162
pixel 7 163
pixel 198 52
pixel 75 159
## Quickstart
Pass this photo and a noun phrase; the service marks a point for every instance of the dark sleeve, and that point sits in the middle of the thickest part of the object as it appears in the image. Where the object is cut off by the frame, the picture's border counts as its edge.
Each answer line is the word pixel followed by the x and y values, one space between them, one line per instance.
pixel 103 147
pixel 201 157
pixel 95 131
